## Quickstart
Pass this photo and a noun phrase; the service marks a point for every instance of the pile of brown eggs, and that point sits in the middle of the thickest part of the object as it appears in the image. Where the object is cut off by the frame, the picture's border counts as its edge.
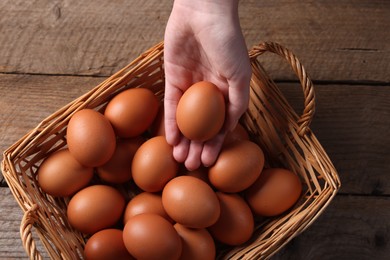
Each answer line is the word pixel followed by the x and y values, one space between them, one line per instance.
pixel 177 214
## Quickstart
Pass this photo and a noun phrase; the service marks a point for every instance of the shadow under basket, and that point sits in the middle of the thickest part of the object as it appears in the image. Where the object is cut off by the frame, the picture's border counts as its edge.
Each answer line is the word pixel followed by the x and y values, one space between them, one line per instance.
pixel 271 122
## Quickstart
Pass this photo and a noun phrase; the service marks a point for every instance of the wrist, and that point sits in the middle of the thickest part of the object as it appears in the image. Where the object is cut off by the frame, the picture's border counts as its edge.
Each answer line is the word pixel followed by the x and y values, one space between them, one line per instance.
pixel 219 7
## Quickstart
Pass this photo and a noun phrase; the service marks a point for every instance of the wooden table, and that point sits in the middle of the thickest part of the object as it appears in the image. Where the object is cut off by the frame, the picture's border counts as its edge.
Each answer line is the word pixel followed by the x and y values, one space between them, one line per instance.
pixel 53 51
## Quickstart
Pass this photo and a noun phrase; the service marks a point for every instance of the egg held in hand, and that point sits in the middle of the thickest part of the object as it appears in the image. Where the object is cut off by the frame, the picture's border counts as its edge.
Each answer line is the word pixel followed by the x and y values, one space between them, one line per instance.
pixel 200 112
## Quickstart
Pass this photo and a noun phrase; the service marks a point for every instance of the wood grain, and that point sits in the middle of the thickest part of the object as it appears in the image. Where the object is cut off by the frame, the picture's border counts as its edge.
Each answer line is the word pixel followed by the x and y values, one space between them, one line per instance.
pixel 73 37
pixel 334 39
pixel 348 229
pixel 10 218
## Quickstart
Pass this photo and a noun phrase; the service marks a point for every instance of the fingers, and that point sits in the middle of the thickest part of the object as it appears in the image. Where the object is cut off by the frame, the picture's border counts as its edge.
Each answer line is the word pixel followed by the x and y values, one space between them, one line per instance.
pixel 193 161
pixel 238 96
pixel 189 153
pixel 211 149
pixel 181 149
pixel 238 103
pixel 194 154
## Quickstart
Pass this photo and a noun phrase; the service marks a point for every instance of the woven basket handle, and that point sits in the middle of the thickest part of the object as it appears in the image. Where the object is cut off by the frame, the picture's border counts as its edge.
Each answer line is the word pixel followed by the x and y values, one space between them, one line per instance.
pixel 28 220
pixel 307 85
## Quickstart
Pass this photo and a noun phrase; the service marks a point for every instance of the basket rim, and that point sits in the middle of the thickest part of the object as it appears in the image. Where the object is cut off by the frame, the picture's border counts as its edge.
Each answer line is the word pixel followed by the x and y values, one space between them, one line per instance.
pixel 303 134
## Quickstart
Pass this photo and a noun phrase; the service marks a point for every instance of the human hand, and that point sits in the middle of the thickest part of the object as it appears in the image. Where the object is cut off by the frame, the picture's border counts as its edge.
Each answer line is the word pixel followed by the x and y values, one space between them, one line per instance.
pixel 204 41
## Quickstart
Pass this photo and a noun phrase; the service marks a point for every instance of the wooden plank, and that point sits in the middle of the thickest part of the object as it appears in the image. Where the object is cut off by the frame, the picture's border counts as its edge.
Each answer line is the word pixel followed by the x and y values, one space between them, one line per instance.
pixel 346 230
pixel 11 246
pixel 335 40
pixel 73 37
pixel 352 227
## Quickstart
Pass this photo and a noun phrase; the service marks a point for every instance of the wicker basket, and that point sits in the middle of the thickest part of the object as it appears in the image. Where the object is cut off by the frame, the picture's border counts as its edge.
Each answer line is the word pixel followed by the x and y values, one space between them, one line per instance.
pixel 285 137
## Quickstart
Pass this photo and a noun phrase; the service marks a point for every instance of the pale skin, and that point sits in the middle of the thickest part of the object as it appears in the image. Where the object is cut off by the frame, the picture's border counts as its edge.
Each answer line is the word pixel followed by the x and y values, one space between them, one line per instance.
pixel 203 41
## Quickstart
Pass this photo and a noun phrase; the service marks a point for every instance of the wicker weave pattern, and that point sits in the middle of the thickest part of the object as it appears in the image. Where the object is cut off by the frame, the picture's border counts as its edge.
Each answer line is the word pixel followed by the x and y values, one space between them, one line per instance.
pixel 285 137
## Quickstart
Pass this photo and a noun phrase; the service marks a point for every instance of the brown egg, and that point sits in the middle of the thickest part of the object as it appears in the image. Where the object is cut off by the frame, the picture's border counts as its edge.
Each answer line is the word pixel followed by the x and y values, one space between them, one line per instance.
pixel 197 244
pixel 150 236
pixel 106 244
pixel 238 166
pixel 200 112
pixel 90 137
pixel 190 202
pixel 61 175
pixel 239 133
pixel 95 208
pixel 118 168
pixel 145 202
pixel 235 224
pixel 274 192
pixel 153 164
pixel 132 111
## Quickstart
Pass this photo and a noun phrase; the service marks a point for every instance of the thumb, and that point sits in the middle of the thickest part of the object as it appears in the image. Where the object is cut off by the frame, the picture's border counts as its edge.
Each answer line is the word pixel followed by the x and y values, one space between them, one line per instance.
pixel 238 101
